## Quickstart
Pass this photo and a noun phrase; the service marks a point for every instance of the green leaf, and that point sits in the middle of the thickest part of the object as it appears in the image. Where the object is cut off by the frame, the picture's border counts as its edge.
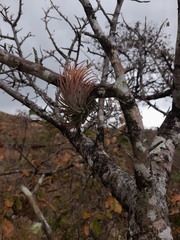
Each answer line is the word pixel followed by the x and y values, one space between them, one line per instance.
pixel 96 226
pixel 31 112
pixel 18 203
pixel 40 195
pixel 36 227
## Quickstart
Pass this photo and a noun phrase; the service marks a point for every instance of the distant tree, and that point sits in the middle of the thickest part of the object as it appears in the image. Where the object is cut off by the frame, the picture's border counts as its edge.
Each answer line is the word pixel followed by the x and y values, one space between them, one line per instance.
pixel 151 72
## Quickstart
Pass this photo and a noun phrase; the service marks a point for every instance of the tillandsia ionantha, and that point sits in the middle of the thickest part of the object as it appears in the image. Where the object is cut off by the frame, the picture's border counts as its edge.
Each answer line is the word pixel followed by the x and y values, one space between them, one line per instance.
pixel 76 101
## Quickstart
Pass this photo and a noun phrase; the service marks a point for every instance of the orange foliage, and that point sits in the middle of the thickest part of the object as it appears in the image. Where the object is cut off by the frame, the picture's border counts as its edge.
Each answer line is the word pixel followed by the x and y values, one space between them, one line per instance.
pixel 176 199
pixel 86 230
pixel 8 228
pixel 113 204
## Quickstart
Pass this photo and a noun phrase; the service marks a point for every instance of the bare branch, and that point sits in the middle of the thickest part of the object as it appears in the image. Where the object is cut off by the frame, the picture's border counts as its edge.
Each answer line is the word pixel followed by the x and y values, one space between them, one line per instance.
pixel 101 115
pixel 6 37
pixel 155 107
pixel 19 14
pixel 29 67
pixel 103 11
pixel 47 229
pixel 139 1
pixel 46 20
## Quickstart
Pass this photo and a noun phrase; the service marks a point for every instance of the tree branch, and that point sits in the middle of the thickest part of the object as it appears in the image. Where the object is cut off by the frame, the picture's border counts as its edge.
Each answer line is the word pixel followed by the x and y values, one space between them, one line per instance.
pixel 139 1
pixel 47 229
pixel 29 67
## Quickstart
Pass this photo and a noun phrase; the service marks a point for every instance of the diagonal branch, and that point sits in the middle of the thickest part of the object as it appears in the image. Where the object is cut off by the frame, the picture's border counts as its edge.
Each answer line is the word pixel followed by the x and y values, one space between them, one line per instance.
pixel 26 66
pixel 45 226
pixel 19 14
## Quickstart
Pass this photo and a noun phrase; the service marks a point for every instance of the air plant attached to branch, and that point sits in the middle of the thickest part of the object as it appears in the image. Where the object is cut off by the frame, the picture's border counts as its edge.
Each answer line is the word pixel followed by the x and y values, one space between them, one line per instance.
pixel 76 101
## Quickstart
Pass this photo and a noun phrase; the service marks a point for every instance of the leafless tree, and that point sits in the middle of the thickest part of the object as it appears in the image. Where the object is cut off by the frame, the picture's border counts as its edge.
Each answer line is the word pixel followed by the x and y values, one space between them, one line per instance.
pixel 142 195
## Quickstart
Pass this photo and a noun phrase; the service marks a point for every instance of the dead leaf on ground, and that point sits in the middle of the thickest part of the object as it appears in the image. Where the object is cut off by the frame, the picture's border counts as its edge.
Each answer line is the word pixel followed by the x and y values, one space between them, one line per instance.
pixel 106 142
pixel 113 204
pixel 9 202
pixel 86 215
pixel 1 154
pixel 64 158
pixel 86 230
pixel 175 199
pixel 25 172
pixel 8 228
pixel 52 207
pixel 113 140
pixel 9 188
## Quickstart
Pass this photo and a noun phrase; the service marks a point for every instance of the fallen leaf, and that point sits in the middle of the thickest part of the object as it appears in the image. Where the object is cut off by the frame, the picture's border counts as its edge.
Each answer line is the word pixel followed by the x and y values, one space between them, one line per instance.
pixel 178 229
pixel 114 150
pixel 106 142
pixel 9 188
pixel 8 228
pixel 117 207
pixel 25 172
pixel 86 230
pixel 9 202
pixel 86 215
pixel 174 211
pixel 1 154
pixel 113 139
pixel 175 199
pixel 64 158
pixel 52 207
pixel 113 204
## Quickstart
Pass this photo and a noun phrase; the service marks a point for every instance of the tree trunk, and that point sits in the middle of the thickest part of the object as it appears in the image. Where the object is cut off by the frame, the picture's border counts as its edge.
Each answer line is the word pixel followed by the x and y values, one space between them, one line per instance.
pixel 148 219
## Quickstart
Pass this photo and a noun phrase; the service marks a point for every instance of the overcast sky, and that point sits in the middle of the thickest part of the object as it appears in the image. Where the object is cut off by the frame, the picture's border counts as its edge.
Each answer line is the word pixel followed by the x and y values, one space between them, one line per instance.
pixel 156 11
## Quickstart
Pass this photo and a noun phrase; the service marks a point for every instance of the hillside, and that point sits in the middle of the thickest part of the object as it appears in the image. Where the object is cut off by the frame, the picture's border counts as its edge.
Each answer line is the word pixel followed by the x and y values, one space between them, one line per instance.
pixel 70 197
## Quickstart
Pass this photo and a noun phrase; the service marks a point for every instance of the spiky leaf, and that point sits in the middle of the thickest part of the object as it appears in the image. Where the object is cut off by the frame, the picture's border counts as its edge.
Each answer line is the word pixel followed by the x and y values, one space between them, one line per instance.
pixel 76 101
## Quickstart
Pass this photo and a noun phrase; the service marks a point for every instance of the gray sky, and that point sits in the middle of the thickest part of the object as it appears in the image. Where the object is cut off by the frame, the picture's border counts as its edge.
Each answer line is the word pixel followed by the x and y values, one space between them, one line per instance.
pixel 156 10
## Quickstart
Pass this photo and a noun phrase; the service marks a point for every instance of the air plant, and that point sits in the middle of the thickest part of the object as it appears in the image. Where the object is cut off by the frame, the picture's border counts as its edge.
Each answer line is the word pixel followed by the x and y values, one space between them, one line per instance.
pixel 76 101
